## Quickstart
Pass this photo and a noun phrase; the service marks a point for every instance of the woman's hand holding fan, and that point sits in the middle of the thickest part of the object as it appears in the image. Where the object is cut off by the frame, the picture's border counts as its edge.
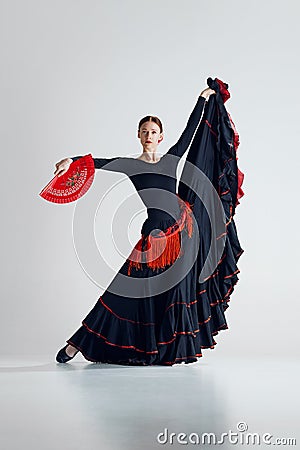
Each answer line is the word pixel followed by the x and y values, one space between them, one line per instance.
pixel 62 166
pixel 71 180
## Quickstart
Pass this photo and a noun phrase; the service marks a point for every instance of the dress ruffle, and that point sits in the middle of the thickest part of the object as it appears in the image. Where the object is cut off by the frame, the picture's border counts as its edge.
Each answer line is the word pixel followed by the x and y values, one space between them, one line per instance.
pixel 179 324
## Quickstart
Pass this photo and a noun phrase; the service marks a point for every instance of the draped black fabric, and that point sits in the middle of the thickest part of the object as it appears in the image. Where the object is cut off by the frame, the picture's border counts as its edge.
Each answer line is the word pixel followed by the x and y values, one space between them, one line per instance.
pixel 175 324
pixel 213 152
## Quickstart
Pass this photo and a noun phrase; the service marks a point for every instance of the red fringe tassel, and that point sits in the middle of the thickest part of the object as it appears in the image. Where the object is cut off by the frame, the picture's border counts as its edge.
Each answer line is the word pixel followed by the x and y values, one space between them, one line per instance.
pixel 164 248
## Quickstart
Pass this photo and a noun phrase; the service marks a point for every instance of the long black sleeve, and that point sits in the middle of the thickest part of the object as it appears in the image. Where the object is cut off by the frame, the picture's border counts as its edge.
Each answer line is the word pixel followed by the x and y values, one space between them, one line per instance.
pixel 183 142
pixel 100 162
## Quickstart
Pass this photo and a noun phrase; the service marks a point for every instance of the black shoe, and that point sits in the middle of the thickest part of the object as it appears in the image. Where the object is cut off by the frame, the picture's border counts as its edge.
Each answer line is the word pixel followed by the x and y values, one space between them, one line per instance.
pixel 62 356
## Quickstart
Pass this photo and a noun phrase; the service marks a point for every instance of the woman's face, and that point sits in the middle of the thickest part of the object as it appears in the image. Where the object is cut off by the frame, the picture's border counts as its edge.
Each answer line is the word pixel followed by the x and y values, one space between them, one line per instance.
pixel 150 135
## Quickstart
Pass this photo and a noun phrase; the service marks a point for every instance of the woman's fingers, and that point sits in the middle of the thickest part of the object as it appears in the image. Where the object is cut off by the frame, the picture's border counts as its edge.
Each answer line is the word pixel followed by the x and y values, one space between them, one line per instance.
pixel 61 168
pixel 57 172
pixel 61 171
pixel 207 92
pixel 211 91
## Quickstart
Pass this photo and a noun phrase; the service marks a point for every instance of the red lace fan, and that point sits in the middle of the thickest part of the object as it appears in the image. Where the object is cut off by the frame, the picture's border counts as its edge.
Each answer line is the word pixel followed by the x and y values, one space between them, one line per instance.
pixel 73 184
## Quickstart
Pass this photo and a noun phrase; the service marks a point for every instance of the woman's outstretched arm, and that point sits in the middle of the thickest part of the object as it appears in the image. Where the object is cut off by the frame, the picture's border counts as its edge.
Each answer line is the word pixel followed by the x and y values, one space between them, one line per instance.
pixel 99 163
pixel 184 141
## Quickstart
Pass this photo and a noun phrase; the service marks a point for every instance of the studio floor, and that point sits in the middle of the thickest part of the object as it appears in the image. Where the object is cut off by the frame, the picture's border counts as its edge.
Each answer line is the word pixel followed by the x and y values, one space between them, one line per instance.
pixel 81 405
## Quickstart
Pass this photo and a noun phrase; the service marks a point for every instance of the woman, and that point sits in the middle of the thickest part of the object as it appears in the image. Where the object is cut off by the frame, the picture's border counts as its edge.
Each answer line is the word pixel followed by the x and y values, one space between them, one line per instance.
pixel 160 326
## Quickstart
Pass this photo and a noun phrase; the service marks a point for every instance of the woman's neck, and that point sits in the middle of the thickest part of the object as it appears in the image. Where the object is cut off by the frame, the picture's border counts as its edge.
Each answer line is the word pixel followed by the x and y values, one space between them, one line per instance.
pixel 149 156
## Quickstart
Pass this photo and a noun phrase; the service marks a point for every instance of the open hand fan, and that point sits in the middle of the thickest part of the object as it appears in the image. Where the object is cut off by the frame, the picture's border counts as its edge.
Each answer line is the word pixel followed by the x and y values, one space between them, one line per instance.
pixel 72 184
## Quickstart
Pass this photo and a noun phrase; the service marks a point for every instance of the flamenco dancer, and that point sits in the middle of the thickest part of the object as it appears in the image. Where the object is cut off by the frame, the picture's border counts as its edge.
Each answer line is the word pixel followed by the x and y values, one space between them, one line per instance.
pixel 158 310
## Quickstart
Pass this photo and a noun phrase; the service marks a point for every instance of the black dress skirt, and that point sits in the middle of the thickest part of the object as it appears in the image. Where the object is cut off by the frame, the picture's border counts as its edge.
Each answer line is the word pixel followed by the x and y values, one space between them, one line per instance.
pixel 167 302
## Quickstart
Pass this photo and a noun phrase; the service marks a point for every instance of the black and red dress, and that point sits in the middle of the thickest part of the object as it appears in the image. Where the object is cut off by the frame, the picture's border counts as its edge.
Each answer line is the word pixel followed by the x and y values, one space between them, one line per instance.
pixel 159 309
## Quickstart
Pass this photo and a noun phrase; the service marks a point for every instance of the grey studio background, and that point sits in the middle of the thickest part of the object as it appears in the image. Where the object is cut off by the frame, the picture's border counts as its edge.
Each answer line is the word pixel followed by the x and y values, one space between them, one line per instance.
pixel 76 77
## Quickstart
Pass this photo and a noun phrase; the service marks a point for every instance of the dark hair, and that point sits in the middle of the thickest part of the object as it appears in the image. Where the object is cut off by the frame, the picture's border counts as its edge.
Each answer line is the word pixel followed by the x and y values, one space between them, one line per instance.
pixel 151 119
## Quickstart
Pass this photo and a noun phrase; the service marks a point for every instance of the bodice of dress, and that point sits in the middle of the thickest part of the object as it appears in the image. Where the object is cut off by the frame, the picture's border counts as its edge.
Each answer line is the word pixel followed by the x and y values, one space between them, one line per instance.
pixel 156 182
pixel 156 186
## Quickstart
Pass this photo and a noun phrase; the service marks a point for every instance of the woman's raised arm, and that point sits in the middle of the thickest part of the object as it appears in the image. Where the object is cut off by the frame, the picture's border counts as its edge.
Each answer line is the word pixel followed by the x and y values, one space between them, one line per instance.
pixel 184 141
